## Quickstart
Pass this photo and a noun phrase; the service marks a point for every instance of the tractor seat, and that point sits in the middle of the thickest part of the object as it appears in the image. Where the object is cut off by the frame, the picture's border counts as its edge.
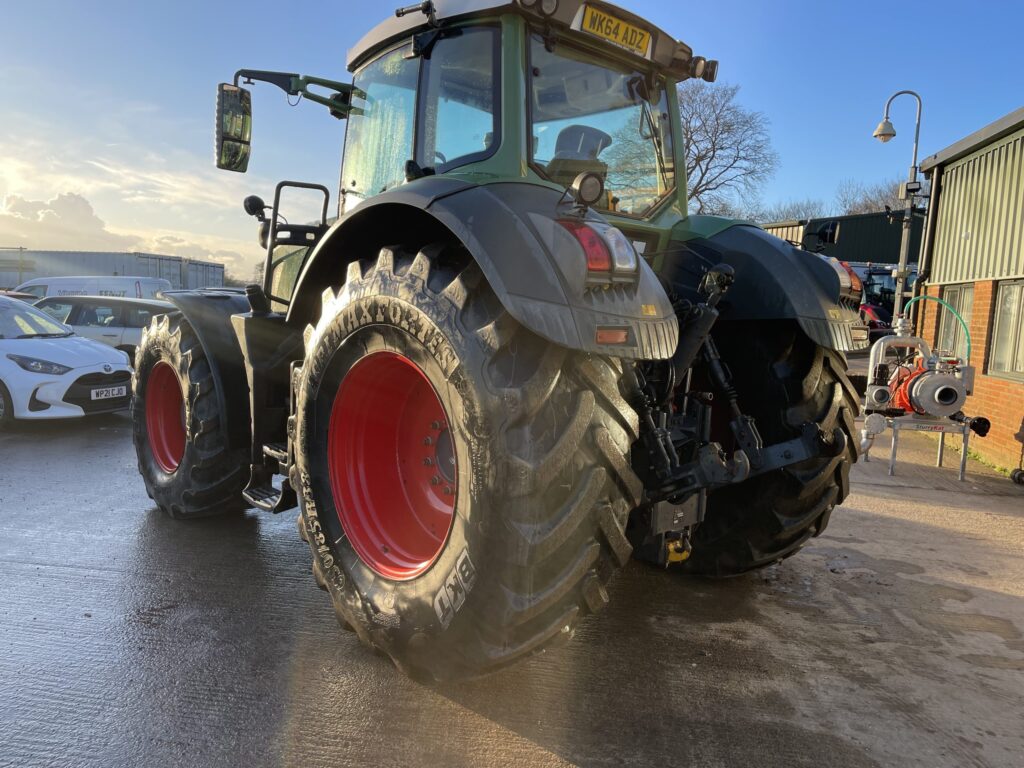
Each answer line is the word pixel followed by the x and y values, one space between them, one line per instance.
pixel 576 151
pixel 580 142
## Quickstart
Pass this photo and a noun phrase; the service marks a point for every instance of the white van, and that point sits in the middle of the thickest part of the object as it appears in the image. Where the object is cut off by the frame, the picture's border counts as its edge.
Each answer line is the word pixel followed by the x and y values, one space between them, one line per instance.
pixel 126 287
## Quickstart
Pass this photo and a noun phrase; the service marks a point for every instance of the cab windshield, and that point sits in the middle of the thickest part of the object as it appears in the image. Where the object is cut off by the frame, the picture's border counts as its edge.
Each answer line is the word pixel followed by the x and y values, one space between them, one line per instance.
pixel 20 321
pixel 588 114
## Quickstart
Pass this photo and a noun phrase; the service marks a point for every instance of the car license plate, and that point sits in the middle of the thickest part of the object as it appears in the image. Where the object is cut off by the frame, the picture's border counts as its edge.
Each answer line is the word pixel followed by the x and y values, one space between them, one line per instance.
pixel 107 393
pixel 616 31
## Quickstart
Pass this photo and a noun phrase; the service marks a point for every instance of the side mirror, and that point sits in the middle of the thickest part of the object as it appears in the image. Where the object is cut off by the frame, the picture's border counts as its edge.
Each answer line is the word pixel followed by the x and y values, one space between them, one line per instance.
pixel 234 127
pixel 828 233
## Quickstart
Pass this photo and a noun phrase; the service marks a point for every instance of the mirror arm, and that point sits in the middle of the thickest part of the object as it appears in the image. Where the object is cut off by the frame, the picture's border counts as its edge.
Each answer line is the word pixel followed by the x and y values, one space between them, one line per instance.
pixel 339 103
pixel 283 80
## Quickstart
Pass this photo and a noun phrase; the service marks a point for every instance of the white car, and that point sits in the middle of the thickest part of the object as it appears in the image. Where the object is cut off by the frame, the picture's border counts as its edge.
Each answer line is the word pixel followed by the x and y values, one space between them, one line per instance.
pixel 46 372
pixel 115 322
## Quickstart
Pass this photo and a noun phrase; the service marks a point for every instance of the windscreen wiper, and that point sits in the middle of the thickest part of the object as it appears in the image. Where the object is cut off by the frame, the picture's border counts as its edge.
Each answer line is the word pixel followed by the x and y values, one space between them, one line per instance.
pixel 655 137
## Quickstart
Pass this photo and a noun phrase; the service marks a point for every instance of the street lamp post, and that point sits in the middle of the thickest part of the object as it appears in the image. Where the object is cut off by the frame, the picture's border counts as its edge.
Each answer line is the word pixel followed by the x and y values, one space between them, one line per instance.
pixel 884 132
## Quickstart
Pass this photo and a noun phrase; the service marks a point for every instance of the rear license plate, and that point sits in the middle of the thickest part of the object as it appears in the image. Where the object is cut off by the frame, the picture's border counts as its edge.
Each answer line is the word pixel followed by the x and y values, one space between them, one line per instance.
pixel 108 393
pixel 616 31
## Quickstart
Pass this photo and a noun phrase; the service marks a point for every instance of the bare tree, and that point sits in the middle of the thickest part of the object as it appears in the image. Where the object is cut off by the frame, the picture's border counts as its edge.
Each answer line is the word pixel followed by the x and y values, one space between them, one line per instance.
pixel 792 210
pixel 728 150
pixel 232 280
pixel 858 197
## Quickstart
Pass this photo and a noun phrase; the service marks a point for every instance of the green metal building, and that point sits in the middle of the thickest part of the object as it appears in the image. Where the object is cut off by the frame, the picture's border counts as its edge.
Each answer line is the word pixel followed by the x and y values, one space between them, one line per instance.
pixel 863 237
pixel 973 258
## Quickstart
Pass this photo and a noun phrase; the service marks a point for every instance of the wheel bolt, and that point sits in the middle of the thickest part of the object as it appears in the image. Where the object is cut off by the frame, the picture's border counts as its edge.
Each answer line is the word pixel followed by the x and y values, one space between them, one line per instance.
pixel 428 441
pixel 428 462
pixel 435 424
pixel 448 490
pixel 435 480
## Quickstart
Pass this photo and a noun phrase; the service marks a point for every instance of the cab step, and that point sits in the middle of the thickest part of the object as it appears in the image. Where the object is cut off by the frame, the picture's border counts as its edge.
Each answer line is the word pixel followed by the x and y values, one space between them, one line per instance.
pixel 269 498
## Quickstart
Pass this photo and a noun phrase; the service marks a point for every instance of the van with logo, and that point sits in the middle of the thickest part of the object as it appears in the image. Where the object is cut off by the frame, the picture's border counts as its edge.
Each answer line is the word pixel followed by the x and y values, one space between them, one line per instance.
pixel 116 286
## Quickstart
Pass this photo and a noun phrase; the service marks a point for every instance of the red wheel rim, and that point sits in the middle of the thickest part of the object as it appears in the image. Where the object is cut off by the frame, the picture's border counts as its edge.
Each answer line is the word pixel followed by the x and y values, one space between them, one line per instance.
pixel 392 465
pixel 165 417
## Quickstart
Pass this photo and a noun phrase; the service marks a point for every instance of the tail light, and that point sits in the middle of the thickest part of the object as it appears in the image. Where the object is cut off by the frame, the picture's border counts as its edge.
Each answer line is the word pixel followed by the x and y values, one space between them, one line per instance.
pixel 599 256
pixel 609 253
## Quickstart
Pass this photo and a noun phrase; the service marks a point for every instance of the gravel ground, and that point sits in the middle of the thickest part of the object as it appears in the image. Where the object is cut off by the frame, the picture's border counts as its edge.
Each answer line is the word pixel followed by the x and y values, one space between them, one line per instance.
pixel 129 639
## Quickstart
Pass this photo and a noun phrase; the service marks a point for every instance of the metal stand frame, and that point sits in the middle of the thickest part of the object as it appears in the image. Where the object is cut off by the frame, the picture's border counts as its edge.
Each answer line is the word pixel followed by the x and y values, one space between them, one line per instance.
pixel 943 427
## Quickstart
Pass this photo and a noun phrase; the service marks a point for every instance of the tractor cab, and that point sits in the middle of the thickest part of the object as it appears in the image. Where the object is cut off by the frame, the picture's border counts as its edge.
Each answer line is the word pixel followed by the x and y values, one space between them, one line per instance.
pixel 439 90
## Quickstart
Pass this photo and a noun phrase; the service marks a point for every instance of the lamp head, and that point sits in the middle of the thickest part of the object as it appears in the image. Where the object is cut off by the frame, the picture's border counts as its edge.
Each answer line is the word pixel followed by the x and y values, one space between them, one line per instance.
pixel 884 131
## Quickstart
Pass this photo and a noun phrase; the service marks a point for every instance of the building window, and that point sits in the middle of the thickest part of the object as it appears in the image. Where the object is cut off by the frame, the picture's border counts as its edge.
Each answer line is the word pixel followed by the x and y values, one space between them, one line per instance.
pixel 1007 358
pixel 951 334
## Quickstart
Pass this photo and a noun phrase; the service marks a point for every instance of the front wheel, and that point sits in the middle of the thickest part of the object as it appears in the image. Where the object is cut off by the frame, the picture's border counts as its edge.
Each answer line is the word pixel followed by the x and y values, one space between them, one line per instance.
pixel 463 483
pixel 783 380
pixel 180 439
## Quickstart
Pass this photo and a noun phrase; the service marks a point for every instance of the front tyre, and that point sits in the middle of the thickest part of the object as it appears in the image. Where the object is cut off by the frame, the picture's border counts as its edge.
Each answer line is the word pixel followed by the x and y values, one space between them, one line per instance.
pixel 783 380
pixel 463 482
pixel 180 439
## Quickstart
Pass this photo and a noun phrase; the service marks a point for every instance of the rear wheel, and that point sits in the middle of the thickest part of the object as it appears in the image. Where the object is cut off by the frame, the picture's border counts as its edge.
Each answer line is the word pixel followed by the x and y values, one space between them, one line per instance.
pixel 184 457
pixel 463 482
pixel 783 380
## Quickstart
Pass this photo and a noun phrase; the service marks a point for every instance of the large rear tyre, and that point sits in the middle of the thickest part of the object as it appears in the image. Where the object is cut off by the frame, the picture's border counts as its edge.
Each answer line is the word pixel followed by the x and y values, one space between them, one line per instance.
pixel 181 443
pixel 783 380
pixel 463 483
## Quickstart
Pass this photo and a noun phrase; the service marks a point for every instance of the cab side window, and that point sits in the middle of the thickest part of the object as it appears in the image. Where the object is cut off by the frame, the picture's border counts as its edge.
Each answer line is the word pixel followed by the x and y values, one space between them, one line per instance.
pixel 458 121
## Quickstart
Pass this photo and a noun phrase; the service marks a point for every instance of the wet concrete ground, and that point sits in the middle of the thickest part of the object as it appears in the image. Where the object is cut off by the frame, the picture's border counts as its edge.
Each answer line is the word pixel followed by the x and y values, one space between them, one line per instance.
pixel 128 639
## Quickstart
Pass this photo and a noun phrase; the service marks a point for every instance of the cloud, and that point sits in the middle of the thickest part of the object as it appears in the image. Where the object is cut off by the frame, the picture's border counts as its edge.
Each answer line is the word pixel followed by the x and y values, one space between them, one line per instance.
pixel 65 223
pixel 68 223
pixel 102 189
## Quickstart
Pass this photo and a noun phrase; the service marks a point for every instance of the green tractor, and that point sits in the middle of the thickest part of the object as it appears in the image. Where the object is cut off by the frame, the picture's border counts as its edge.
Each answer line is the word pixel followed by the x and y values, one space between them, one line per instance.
pixel 513 362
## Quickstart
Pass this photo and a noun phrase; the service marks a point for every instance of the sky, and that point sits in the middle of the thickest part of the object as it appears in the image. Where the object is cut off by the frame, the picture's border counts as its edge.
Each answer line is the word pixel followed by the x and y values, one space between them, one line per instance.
pixel 106 108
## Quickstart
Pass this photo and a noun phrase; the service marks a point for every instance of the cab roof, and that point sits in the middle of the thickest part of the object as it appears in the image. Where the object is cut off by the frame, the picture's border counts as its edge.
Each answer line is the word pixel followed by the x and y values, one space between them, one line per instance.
pixel 666 53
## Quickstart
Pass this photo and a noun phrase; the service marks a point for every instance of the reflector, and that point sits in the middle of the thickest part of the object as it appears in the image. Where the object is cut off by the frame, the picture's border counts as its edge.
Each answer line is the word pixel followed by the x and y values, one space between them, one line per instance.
pixel 612 335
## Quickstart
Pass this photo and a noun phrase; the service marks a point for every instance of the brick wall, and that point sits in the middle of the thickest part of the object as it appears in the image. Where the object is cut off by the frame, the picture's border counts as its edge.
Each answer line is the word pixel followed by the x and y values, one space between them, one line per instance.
pixel 1000 400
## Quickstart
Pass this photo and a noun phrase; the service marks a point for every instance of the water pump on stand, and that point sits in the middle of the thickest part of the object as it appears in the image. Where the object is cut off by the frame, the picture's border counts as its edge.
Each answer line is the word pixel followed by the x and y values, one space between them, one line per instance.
pixel 912 387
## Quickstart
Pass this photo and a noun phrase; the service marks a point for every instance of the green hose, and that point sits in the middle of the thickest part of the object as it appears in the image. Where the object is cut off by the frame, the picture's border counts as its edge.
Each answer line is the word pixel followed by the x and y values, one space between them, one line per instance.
pixel 956 314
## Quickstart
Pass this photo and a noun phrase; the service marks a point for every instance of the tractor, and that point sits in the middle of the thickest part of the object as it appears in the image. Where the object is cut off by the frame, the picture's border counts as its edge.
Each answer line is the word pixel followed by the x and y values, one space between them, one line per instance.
pixel 513 361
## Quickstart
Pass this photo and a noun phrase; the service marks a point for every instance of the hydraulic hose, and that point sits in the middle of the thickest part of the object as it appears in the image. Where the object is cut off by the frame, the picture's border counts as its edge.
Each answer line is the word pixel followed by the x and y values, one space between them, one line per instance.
pixel 967 332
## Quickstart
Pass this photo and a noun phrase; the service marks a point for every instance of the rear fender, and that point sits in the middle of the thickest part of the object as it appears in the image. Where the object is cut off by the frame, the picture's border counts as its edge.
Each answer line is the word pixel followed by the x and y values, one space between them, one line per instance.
pixel 774 281
pixel 535 267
